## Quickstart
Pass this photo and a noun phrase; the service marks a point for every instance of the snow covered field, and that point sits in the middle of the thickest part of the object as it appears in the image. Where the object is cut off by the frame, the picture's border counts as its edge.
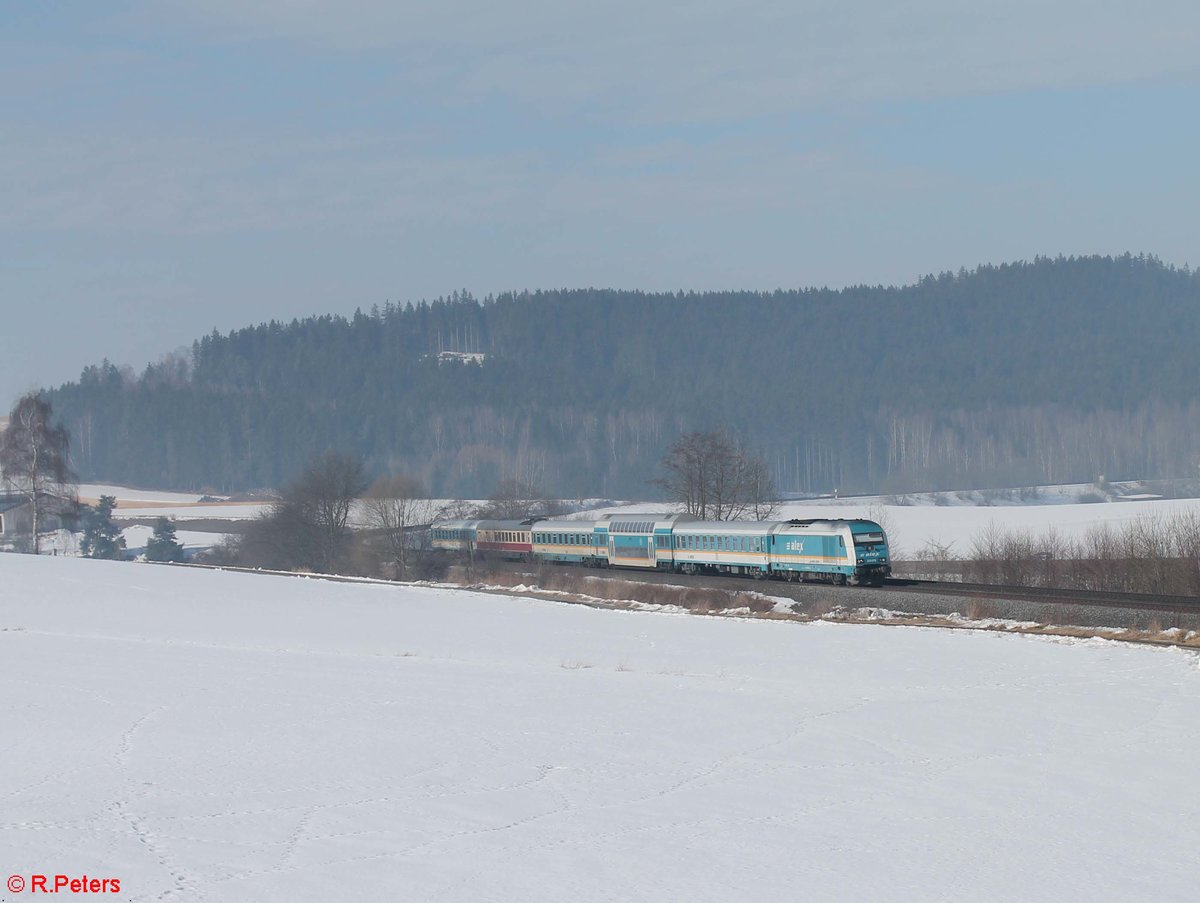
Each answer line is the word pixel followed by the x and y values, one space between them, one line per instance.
pixel 225 737
pixel 137 536
pixel 127 496
pixel 912 527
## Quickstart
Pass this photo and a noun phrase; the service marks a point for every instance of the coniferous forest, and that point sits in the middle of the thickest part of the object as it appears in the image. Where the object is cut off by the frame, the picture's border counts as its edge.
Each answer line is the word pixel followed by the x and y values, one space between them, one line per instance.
pixel 1053 370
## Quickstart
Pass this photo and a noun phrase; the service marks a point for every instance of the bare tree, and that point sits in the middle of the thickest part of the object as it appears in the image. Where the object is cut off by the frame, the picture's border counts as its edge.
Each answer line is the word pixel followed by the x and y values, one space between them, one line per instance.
pixel 397 508
pixel 457 509
pixel 514 499
pixel 325 493
pixel 716 478
pixel 308 527
pixel 34 461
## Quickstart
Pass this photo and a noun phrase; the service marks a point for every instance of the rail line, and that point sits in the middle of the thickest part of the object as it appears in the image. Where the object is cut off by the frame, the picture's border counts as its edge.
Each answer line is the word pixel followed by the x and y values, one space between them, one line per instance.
pixel 1050 595
pixel 802 591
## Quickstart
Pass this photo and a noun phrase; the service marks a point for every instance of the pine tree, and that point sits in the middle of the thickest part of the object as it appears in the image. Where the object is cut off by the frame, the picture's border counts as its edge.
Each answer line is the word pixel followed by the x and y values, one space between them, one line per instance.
pixel 163 546
pixel 101 536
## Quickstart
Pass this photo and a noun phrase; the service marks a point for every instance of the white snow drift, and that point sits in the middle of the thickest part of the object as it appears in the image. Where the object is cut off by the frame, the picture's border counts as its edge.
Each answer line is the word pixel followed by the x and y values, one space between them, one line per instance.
pixel 228 737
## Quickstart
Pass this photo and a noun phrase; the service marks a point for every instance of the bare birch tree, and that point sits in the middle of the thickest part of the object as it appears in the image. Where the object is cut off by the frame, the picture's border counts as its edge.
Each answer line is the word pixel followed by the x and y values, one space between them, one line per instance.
pixel 34 462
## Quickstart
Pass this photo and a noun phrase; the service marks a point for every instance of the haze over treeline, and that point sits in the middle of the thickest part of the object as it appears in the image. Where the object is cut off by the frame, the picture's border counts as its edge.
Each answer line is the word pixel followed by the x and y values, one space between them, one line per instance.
pixel 1034 372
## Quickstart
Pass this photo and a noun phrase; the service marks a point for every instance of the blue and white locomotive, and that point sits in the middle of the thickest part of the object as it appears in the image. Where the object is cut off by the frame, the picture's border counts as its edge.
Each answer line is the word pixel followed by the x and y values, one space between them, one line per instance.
pixel 838 550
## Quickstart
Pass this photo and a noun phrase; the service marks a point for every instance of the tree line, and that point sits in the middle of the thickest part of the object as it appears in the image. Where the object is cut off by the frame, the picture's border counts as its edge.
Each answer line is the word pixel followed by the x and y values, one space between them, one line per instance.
pixel 1044 371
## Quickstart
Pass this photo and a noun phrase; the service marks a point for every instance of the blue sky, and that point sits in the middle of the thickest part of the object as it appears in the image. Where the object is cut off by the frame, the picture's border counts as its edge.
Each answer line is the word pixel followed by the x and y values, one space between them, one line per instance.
pixel 177 166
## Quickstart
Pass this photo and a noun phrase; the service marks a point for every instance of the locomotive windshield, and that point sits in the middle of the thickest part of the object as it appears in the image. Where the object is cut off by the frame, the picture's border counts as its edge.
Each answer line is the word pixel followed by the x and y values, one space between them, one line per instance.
pixel 867 539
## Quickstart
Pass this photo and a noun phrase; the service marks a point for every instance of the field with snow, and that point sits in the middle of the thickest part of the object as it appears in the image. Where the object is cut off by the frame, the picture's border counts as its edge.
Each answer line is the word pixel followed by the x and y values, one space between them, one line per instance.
pixel 225 737
pixel 939 519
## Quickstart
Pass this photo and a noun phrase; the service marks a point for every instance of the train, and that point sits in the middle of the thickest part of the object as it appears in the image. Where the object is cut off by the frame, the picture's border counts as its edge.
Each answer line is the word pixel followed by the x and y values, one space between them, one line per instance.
pixel 845 551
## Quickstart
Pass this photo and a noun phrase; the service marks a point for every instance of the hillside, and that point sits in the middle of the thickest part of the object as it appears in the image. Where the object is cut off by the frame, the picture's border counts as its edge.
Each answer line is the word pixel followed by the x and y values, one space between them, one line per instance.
pixel 231 737
pixel 1041 372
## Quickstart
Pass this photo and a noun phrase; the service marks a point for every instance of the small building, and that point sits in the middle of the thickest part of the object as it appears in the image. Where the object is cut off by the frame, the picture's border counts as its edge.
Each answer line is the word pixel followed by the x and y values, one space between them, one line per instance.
pixel 16 517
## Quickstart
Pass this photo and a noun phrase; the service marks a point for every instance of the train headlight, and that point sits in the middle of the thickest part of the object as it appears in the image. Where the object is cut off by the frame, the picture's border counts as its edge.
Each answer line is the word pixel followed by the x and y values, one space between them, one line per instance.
pixel 860 561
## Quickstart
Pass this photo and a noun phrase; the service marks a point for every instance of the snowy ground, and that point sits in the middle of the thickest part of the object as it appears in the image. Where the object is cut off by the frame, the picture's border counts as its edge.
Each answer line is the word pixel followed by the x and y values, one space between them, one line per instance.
pixel 128 496
pixel 226 737
pixel 137 536
pixel 206 511
pixel 912 527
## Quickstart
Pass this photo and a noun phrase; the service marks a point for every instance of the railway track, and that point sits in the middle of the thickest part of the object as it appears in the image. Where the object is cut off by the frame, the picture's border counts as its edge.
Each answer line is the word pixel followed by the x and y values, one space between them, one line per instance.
pixel 864 596
pixel 1050 595
pixel 852 596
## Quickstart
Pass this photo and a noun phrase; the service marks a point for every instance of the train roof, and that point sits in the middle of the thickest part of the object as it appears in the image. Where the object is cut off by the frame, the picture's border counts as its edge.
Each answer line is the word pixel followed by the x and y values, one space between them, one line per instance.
pixel 641 521
pixel 564 524
pixel 732 527
pixel 455 524
pixel 504 524
pixel 827 523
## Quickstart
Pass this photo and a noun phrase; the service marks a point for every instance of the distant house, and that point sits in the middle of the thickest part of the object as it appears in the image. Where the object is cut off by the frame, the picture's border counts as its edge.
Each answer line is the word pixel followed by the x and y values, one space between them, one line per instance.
pixel 16 517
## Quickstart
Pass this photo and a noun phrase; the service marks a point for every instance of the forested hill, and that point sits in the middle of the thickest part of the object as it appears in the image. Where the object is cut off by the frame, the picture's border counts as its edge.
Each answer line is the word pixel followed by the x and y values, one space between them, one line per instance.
pixel 1059 369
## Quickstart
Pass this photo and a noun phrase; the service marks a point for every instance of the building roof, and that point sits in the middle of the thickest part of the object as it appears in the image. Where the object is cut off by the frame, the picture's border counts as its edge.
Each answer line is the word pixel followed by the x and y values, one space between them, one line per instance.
pixel 11 500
